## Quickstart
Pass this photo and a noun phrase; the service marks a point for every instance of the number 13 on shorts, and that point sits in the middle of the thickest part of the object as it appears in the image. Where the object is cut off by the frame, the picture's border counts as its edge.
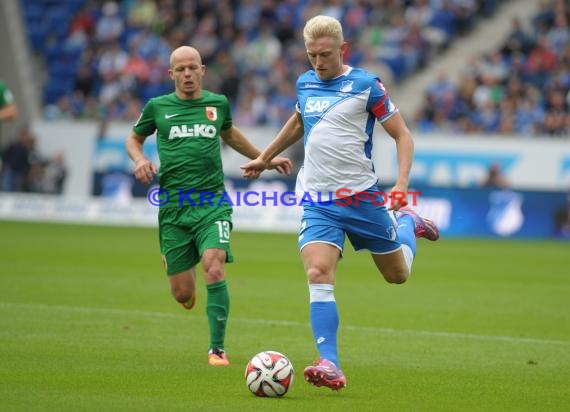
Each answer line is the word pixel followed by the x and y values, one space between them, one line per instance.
pixel 224 229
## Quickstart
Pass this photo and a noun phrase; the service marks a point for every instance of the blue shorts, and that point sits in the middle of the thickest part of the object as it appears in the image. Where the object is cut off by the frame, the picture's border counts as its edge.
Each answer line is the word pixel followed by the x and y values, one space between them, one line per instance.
pixel 366 223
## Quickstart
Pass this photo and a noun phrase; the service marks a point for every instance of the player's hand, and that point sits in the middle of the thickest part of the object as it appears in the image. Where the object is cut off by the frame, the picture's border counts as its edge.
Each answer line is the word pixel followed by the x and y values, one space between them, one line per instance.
pixel 253 168
pixel 145 171
pixel 398 197
pixel 282 164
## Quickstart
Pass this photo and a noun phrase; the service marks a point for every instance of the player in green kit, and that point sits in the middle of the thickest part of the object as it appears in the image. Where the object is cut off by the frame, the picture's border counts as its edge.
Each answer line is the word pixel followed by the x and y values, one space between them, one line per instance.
pixel 194 220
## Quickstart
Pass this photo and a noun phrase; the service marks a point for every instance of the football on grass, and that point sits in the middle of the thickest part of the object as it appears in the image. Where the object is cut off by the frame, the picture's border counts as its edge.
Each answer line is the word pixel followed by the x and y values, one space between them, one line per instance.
pixel 269 374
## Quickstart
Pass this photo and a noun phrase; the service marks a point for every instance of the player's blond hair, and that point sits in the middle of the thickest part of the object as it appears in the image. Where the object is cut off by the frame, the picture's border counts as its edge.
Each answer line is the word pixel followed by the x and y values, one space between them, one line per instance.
pixel 323 26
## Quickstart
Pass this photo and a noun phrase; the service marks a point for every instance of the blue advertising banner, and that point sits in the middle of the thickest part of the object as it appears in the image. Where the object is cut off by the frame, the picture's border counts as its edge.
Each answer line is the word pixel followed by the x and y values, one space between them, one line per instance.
pixel 476 212
pixel 497 213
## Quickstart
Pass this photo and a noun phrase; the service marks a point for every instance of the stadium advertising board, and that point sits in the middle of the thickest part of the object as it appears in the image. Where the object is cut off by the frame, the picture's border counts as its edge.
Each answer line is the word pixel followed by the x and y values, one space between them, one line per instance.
pixel 448 161
pixel 459 212
pixel 537 164
pixel 447 171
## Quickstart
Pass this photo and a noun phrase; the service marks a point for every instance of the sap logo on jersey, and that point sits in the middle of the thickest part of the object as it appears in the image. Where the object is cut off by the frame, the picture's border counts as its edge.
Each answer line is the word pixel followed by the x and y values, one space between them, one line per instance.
pixel 197 130
pixel 317 105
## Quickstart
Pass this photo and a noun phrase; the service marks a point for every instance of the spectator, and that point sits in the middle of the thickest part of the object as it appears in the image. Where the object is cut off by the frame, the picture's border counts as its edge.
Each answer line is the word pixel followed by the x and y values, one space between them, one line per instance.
pixel 113 59
pixel 136 70
pixel 84 21
pixel 517 41
pixel 558 36
pixel 541 55
pixel 494 178
pixel 16 162
pixel 142 13
pixel 110 26
pixel 441 87
pixel 264 50
pixel 84 81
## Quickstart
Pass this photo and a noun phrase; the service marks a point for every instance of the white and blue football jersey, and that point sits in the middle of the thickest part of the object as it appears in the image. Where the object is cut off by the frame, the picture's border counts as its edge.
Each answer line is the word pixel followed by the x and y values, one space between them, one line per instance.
pixel 339 117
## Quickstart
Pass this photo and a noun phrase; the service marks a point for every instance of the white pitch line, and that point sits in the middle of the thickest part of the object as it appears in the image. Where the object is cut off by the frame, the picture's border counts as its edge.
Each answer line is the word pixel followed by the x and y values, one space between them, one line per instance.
pixel 369 329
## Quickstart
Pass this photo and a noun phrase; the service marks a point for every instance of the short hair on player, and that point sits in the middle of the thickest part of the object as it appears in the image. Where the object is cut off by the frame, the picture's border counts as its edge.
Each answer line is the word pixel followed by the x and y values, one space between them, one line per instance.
pixel 323 26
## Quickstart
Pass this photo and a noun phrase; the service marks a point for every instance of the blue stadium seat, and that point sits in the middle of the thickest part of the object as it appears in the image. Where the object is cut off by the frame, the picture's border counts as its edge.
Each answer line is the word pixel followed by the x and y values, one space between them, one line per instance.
pixel 32 12
pixel 55 88
pixel 37 34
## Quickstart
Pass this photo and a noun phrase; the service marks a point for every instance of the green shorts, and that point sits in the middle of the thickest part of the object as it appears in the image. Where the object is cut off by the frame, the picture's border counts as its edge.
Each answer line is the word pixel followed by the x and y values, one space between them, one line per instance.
pixel 186 232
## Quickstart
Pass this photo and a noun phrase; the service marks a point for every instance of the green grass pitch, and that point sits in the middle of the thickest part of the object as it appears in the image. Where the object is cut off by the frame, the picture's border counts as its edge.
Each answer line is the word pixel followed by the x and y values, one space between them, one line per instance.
pixel 87 324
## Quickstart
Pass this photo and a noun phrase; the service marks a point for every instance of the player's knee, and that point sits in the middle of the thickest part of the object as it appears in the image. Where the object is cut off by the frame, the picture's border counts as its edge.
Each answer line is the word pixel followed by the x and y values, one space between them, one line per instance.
pixel 397 276
pixel 182 295
pixel 214 274
pixel 316 274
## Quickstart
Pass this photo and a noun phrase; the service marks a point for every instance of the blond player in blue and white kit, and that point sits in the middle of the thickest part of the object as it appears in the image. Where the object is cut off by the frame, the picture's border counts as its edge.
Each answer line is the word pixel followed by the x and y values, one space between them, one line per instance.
pixel 337 107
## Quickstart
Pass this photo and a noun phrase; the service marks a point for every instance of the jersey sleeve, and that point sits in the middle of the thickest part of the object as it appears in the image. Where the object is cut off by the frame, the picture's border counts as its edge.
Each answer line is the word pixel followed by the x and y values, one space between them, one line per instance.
pixel 228 121
pixel 298 92
pixel 146 125
pixel 6 96
pixel 380 104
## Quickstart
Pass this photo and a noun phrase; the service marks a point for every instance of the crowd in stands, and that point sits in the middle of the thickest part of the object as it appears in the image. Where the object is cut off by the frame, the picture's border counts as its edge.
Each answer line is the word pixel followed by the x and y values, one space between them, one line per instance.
pixel 105 59
pixel 519 87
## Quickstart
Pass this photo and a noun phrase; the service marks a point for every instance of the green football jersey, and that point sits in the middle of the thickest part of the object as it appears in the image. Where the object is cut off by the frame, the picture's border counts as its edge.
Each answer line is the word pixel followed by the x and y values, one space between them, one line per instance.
pixel 188 142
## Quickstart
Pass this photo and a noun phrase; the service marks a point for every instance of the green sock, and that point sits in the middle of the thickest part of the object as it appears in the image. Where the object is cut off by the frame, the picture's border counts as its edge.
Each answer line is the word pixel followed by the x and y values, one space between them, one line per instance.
pixel 217 310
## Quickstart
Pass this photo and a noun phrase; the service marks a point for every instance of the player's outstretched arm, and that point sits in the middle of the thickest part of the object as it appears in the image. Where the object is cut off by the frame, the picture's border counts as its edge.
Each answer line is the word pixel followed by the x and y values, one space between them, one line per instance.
pixel 291 132
pixel 235 138
pixel 144 169
pixel 237 141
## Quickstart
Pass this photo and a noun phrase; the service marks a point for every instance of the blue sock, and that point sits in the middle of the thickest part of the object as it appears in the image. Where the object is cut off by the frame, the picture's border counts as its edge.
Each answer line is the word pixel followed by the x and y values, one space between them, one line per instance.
pixel 406 232
pixel 324 320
